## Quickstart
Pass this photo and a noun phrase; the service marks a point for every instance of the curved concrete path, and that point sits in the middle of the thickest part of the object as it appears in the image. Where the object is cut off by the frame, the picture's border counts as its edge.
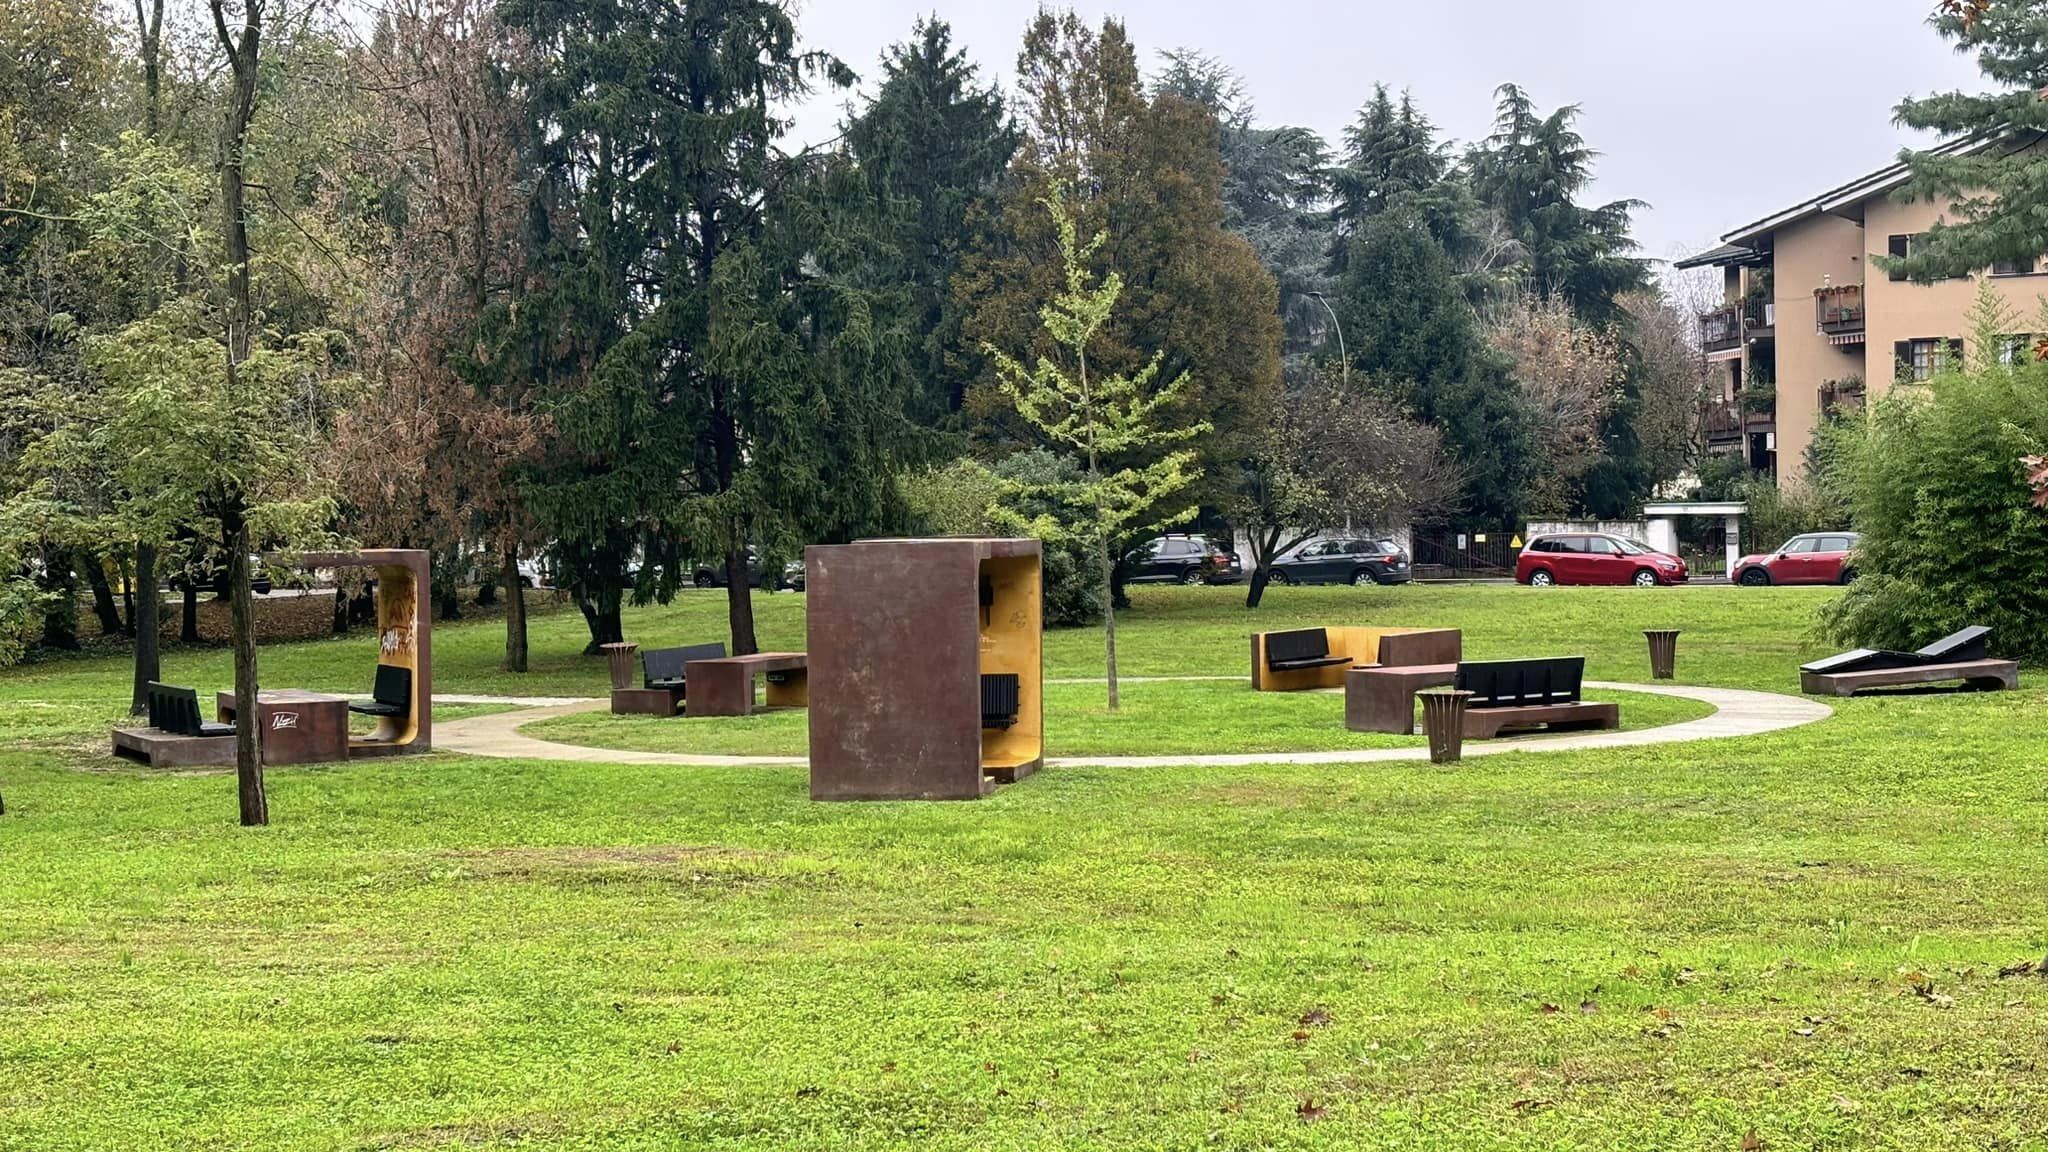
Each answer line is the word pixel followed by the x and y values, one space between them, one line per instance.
pixel 1737 712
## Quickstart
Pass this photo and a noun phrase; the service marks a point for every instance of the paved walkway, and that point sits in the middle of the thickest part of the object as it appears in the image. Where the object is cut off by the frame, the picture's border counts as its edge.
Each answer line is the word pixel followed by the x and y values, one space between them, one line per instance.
pixel 1737 712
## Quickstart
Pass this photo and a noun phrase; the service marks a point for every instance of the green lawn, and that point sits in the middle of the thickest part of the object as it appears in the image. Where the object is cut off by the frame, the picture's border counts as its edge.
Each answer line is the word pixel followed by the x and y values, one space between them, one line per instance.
pixel 1665 947
pixel 1155 719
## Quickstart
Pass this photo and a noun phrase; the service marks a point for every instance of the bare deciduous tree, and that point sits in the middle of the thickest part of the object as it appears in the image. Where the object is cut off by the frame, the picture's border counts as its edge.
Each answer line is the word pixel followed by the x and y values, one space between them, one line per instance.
pixel 1569 376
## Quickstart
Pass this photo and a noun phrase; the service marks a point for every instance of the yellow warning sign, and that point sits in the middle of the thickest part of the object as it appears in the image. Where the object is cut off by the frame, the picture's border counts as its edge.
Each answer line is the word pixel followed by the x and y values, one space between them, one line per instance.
pixel 1516 542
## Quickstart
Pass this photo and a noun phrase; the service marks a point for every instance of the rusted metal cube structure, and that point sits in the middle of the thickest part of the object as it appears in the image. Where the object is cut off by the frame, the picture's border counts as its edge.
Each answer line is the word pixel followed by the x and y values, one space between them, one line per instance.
pixel 901 633
pixel 405 639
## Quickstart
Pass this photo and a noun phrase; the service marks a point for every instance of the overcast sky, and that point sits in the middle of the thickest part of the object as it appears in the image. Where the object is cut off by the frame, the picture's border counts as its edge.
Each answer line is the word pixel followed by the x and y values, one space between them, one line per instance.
pixel 1714 114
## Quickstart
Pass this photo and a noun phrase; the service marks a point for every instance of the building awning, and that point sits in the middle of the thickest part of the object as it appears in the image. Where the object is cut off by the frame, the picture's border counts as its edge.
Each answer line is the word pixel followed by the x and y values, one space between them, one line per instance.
pixel 1724 355
pixel 1715 257
pixel 1844 339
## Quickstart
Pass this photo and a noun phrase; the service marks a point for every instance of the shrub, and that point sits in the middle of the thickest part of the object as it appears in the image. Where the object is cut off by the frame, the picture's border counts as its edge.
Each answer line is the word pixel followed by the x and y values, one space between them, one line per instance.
pixel 1950 536
pixel 956 501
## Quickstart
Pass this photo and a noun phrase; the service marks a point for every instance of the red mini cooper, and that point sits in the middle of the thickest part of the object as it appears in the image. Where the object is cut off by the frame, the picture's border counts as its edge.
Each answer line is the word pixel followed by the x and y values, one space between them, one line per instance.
pixel 1815 558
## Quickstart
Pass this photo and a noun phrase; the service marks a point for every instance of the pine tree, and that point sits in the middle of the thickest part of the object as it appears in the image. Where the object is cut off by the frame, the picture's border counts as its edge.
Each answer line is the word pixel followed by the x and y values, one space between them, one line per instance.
pixel 673 405
pixel 1410 331
pixel 930 147
pixel 1149 174
pixel 1993 196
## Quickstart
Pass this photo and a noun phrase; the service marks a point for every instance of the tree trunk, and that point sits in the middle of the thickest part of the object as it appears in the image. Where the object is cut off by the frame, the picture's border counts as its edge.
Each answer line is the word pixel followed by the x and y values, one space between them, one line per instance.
pixel 127 573
pixel 1119 591
pixel 1108 621
pixel 188 612
pixel 103 605
pixel 486 590
pixel 148 629
pixel 739 603
pixel 340 626
pixel 1261 576
pixel 60 623
pixel 242 612
pixel 601 614
pixel 451 602
pixel 515 615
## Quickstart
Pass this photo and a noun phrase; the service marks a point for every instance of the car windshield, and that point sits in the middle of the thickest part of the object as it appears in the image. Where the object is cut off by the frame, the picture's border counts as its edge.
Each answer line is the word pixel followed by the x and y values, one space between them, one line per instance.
pixel 1389 546
pixel 1632 547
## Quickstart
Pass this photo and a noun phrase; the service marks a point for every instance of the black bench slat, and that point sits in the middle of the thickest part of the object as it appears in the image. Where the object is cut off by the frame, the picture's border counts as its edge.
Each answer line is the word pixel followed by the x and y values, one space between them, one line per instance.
pixel 1301 648
pixel 998 699
pixel 176 710
pixel 1522 683
pixel 390 695
pixel 1959 647
pixel 665 667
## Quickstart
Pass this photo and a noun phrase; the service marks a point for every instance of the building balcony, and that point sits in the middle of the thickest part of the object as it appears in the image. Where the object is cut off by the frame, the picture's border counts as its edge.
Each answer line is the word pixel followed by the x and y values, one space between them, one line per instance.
pixel 1721 329
pixel 1721 420
pixel 1838 311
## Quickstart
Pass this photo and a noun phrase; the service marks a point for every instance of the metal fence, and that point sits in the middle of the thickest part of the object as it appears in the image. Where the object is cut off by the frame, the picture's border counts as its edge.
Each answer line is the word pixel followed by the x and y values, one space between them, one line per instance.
pixel 1463 553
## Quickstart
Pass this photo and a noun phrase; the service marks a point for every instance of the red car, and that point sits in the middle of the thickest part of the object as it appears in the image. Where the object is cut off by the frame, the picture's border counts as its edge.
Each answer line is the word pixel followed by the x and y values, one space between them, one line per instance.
pixel 1595 558
pixel 1815 558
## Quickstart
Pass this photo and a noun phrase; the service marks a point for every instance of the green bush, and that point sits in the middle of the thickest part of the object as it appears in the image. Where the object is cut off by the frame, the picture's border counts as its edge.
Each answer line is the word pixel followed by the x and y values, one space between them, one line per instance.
pixel 1950 534
pixel 955 501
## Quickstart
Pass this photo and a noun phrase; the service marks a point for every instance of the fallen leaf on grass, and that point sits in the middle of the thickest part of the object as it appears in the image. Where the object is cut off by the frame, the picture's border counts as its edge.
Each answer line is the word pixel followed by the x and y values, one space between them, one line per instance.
pixel 675 1046
pixel 1913 1073
pixel 1751 1142
pixel 1196 1055
pixel 1315 1018
pixel 1588 1007
pixel 1802 1031
pixel 1310 1111
pixel 1300 1035
pixel 1219 1000
pixel 1527 1106
pixel 808 1091
pixel 1550 1009
pixel 2023 968
pixel 889 1067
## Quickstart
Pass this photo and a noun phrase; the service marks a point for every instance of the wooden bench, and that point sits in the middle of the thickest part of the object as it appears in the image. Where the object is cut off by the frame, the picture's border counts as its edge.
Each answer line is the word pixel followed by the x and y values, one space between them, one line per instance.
pixel 724 686
pixel 176 736
pixel 1383 699
pixel 1961 656
pixel 1529 693
pixel 1307 659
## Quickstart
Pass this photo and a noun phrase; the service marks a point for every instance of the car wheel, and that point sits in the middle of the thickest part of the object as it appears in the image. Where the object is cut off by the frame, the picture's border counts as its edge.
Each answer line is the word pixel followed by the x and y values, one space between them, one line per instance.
pixel 1644 578
pixel 1848 575
pixel 1754 577
pixel 1363 578
pixel 703 580
pixel 1541 578
pixel 1279 578
pixel 1191 575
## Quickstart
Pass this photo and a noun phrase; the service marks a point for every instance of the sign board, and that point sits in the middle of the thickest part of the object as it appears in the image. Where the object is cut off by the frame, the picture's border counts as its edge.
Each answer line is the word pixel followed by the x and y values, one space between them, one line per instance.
pixel 1516 542
pixel 1480 538
pixel 1461 540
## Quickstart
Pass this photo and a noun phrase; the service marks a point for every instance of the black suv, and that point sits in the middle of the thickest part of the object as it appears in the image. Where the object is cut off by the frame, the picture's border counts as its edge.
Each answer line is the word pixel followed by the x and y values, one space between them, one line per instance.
pixel 1182 560
pixel 1361 561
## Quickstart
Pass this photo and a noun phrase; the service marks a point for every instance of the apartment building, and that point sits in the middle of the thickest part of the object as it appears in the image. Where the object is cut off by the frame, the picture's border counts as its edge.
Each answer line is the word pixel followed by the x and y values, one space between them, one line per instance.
pixel 1808 322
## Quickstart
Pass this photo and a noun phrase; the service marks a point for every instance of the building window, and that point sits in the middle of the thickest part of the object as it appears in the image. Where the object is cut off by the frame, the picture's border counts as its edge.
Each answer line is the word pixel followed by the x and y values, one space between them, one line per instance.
pixel 1920 359
pixel 2016 349
pixel 2016 267
pixel 1898 247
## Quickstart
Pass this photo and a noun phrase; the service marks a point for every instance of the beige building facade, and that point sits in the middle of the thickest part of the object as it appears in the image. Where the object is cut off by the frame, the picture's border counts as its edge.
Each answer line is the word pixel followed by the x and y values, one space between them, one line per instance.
pixel 1809 323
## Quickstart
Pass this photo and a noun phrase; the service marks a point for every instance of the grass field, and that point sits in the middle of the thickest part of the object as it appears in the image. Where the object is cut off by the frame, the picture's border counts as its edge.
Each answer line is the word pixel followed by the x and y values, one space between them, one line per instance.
pixel 1797 935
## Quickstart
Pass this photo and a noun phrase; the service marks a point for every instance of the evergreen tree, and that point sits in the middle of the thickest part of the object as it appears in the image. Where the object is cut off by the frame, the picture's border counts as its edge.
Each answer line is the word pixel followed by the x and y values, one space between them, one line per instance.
pixel 1273 190
pixel 682 405
pixel 1410 331
pixel 1149 174
pixel 930 146
pixel 1995 197
pixel 1530 171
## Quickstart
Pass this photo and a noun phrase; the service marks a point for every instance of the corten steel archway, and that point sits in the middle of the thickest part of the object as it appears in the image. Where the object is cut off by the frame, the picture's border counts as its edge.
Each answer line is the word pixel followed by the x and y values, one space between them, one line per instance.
pixel 404 640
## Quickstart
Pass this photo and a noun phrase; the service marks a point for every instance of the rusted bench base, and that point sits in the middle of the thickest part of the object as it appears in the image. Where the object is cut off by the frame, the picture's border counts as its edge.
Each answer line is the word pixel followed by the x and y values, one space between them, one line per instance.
pixel 1984 675
pixel 644 702
pixel 1383 699
pixel 1484 723
pixel 725 687
pixel 166 750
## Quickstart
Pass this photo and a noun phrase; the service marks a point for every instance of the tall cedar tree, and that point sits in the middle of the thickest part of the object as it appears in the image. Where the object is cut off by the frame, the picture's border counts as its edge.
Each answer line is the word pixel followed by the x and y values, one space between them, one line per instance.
pixel 1995 197
pixel 1530 171
pixel 1149 174
pixel 1411 333
pixel 1273 191
pixel 931 146
pixel 656 129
